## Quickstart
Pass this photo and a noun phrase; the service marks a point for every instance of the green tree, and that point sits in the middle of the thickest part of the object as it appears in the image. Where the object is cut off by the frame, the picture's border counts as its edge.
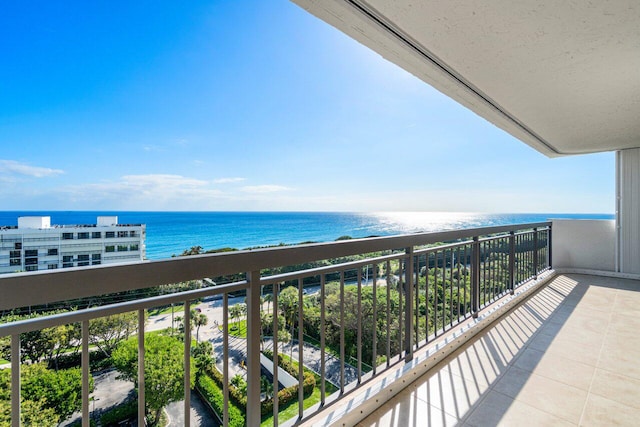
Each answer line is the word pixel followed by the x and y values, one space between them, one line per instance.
pixel 107 332
pixel 163 370
pixel 199 319
pixel 202 352
pixel 60 391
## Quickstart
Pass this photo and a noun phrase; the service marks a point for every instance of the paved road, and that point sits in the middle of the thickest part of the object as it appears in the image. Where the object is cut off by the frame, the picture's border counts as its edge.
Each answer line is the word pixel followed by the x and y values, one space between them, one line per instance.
pixel 200 415
pixel 108 392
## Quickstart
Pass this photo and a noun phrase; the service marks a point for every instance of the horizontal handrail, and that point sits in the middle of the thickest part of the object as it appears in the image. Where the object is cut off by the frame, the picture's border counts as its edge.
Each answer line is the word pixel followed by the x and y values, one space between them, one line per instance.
pixel 43 287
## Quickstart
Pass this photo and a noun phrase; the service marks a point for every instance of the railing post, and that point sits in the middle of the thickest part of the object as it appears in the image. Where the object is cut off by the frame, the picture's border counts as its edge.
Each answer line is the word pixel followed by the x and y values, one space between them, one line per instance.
pixel 141 397
pixel 253 349
pixel 549 261
pixel 535 253
pixel 187 364
pixel 85 373
pixel 409 295
pixel 15 380
pixel 475 277
pixel 512 261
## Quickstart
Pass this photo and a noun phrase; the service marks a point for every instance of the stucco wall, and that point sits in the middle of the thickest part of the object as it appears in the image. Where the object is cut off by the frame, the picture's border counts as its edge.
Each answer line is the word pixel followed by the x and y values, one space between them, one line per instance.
pixel 584 243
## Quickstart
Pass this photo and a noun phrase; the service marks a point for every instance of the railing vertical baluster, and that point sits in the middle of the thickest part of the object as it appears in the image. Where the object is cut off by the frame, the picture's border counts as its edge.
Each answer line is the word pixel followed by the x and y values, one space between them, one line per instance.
pixel 342 355
pixel 458 284
pixel 187 363
pixel 141 382
pixel 416 295
pixel 359 326
pixel 464 255
pixel 450 287
pixel 85 373
pixel 15 380
pixel 535 253
pixel 401 312
pixel 276 291
pixel 388 265
pixel 512 262
pixel 435 293
pixel 549 247
pixel 426 295
pixel 323 368
pixel 374 337
pixel 253 349
pixel 409 296
pixel 225 358
pixel 300 351
pixel 444 289
pixel 475 277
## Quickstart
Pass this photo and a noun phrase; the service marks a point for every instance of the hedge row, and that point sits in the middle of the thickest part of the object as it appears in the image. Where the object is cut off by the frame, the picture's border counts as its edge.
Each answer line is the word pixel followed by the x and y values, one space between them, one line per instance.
pixel 288 394
pixel 239 399
pixel 124 411
pixel 212 394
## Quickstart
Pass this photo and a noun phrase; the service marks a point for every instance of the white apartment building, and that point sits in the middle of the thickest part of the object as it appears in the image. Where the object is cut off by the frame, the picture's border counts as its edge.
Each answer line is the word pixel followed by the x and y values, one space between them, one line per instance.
pixel 34 244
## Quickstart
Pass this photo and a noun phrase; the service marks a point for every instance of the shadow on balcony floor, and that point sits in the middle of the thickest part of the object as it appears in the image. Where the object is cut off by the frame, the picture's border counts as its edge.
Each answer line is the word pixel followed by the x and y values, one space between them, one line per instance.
pixel 570 355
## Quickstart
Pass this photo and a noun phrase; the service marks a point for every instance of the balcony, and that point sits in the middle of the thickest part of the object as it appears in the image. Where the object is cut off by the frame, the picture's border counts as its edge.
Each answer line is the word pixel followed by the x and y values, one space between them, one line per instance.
pixel 355 337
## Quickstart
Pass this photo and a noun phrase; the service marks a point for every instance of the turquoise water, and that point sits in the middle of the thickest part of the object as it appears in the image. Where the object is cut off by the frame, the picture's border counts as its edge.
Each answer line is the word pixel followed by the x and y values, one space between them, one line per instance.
pixel 171 233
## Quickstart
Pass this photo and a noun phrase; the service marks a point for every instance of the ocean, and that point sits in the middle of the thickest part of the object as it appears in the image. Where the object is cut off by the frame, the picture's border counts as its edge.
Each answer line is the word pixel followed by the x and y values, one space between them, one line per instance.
pixel 170 233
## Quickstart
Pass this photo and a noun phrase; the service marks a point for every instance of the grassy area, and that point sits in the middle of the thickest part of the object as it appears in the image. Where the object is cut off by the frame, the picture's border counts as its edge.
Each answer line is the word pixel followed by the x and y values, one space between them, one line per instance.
pixel 238 329
pixel 177 310
pixel 4 362
pixel 291 409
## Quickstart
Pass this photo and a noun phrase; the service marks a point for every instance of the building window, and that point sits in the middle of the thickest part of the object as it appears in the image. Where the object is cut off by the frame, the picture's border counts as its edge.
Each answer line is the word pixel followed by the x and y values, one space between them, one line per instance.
pixel 67 236
pixel 123 234
pixel 31 261
pixel 110 234
pixel 110 248
pixel 96 235
pixel 83 264
pixel 96 262
pixel 83 257
pixel 83 235
pixel 123 248
pixel 133 233
pixel 15 261
pixel 67 265
pixel 31 268
pixel 52 266
pixel 31 253
pixel 14 254
pixel 17 245
pixel 96 257
pixel 51 252
pixel 67 258
pixel 133 247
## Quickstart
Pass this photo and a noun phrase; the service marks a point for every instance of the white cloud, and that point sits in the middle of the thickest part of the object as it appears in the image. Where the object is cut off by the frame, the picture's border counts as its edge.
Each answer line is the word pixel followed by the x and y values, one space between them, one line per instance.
pixel 227 180
pixel 12 167
pixel 261 189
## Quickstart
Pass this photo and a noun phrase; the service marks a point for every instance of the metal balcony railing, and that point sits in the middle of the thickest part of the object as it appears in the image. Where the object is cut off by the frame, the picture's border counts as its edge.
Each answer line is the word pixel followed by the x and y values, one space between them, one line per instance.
pixel 356 307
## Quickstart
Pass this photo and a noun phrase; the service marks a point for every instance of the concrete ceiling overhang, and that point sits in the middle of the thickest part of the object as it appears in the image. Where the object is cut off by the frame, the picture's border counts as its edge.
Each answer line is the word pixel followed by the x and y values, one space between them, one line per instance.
pixel 561 76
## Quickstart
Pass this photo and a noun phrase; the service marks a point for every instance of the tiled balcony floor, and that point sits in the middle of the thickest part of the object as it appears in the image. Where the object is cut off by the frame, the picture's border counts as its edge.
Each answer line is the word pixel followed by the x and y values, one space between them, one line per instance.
pixel 570 355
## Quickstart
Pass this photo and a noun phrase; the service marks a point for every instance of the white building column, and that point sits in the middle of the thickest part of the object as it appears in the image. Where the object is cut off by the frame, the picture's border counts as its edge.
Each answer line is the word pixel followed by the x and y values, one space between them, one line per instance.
pixel 628 211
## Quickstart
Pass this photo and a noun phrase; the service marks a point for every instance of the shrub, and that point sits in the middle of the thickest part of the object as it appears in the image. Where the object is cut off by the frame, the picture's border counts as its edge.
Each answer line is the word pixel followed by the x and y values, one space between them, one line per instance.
pixel 124 411
pixel 212 394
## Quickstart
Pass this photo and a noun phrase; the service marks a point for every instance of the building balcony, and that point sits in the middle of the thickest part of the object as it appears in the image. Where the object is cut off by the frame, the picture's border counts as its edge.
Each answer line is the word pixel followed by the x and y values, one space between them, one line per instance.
pixel 461 327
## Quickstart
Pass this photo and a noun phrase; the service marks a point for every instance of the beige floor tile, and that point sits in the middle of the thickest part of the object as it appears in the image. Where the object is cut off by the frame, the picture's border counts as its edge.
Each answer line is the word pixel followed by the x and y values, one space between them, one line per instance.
pixel 616 387
pixel 566 371
pixel 554 397
pixel 627 341
pixel 407 410
pixel 450 393
pixel 620 362
pixel 499 410
pixel 624 325
pixel 600 411
pixel 478 369
pixel 581 336
pixel 568 349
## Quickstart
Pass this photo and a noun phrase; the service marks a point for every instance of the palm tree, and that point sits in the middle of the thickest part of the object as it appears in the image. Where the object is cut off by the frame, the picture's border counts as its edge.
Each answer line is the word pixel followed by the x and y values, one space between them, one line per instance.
pixel 199 319
pixel 269 299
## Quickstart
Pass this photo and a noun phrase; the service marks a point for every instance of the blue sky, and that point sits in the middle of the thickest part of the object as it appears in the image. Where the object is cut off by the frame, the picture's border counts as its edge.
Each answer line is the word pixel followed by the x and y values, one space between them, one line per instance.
pixel 247 105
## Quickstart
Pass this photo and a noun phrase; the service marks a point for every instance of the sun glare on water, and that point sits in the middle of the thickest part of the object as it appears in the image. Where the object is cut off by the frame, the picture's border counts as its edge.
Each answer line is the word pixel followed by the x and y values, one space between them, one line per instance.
pixel 413 222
